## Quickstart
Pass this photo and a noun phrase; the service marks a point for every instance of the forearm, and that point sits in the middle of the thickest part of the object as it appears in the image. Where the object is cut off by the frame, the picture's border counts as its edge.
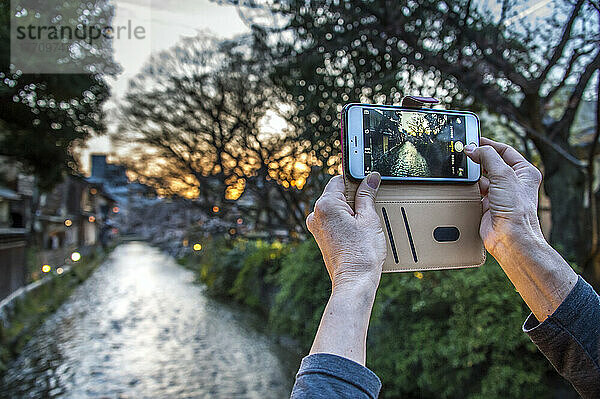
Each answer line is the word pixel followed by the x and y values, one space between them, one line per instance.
pixel 540 275
pixel 344 325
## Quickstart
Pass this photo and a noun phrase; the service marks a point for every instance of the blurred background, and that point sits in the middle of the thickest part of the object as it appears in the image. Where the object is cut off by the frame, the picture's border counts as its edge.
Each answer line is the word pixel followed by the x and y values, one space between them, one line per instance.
pixel 155 178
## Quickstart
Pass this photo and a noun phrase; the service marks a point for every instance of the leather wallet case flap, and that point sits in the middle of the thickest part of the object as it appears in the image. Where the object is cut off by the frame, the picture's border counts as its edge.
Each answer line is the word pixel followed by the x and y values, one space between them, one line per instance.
pixel 428 235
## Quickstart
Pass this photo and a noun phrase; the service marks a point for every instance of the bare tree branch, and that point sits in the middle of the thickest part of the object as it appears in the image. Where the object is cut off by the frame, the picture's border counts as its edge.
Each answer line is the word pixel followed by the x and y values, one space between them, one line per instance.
pixel 558 50
pixel 539 138
pixel 562 125
pixel 197 118
pixel 572 61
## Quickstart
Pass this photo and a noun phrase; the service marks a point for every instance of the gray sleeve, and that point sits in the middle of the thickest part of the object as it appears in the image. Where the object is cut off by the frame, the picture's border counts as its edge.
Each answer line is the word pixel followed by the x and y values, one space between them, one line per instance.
pixel 570 339
pixel 323 375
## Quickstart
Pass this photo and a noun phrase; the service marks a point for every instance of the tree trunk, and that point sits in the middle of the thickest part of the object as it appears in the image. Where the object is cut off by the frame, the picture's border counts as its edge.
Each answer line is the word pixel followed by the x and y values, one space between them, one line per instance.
pixel 565 185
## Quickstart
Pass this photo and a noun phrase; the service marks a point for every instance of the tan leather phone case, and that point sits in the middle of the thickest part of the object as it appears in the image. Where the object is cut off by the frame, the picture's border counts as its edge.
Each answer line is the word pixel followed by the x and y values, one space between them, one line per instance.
pixel 428 226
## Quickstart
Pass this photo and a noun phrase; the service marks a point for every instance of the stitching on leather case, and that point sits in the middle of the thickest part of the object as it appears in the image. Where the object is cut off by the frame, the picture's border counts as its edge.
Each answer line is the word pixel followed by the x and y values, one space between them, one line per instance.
pixel 420 268
pixel 423 201
pixel 423 268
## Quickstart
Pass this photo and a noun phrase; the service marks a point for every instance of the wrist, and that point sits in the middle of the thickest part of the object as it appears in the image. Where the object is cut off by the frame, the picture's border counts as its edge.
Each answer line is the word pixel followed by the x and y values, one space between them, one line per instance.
pixel 355 287
pixel 515 248
pixel 354 305
pixel 539 273
pixel 536 257
pixel 519 241
pixel 345 321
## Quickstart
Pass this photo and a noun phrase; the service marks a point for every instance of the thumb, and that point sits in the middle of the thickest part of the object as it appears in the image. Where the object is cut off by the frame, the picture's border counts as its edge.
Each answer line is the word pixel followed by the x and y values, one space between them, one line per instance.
pixel 490 160
pixel 364 200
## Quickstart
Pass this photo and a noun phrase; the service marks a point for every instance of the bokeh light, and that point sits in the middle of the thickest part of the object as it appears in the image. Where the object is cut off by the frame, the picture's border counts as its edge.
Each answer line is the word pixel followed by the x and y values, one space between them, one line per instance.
pixel 197 247
pixel 75 256
pixel 46 268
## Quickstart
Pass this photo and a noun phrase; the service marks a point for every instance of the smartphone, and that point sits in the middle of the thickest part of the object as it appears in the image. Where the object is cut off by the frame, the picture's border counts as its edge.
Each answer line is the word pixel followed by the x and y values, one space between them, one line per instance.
pixel 409 144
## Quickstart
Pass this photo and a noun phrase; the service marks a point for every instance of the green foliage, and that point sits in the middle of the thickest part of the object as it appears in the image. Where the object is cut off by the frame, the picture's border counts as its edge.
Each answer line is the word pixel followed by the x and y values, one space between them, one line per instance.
pixel 241 269
pixel 217 266
pixel 253 285
pixel 443 334
pixel 454 334
pixel 304 287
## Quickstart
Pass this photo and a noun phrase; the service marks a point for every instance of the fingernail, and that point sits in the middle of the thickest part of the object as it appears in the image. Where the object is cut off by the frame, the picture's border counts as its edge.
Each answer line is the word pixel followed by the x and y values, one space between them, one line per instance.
pixel 470 148
pixel 373 180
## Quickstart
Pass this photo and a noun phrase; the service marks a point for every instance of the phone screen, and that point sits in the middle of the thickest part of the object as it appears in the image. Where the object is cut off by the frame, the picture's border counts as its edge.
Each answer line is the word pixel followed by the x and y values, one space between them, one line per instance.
pixel 414 144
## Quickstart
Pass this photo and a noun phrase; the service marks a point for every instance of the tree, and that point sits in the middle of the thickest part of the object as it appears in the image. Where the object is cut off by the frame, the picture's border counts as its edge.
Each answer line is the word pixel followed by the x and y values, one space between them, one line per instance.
pixel 43 115
pixel 201 122
pixel 334 52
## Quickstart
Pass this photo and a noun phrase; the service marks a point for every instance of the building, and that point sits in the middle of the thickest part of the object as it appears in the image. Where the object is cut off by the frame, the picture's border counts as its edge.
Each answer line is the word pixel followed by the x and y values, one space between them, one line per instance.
pixel 113 180
pixel 16 191
pixel 74 215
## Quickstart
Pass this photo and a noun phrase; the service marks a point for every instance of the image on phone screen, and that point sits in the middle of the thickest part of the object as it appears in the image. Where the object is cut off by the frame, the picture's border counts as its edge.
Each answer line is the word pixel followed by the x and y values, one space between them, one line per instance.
pixel 414 144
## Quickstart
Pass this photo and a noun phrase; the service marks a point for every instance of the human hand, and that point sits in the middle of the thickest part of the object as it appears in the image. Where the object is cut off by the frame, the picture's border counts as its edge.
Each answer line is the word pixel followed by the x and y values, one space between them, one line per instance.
pixel 509 189
pixel 351 241
pixel 511 231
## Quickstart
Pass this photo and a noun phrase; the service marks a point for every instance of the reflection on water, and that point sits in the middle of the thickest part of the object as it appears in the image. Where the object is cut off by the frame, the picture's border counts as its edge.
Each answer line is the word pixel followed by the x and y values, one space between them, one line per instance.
pixel 408 162
pixel 402 160
pixel 140 328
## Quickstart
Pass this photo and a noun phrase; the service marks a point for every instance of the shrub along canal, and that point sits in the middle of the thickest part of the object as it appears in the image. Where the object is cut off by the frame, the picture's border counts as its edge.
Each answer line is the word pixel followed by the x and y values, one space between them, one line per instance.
pixel 139 327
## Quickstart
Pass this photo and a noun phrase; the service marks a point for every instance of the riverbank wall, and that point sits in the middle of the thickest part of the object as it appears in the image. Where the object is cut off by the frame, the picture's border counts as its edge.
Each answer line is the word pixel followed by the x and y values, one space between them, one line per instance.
pixel 22 312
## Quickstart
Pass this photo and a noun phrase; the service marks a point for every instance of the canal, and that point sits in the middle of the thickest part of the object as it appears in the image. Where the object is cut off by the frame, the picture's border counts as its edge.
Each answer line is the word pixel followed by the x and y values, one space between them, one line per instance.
pixel 140 327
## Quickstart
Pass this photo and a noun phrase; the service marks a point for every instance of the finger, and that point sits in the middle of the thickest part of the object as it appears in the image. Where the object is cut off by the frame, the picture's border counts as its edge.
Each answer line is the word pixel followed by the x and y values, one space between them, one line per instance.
pixel 331 204
pixel 511 156
pixel 490 160
pixel 335 186
pixel 309 221
pixel 364 201
pixel 484 185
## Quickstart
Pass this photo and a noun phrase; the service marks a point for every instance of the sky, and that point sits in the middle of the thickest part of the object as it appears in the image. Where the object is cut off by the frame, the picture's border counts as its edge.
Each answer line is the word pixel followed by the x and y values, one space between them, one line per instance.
pixel 165 22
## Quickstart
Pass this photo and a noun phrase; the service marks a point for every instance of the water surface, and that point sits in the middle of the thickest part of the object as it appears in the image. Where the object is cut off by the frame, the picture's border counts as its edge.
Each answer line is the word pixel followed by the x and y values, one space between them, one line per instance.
pixel 140 328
